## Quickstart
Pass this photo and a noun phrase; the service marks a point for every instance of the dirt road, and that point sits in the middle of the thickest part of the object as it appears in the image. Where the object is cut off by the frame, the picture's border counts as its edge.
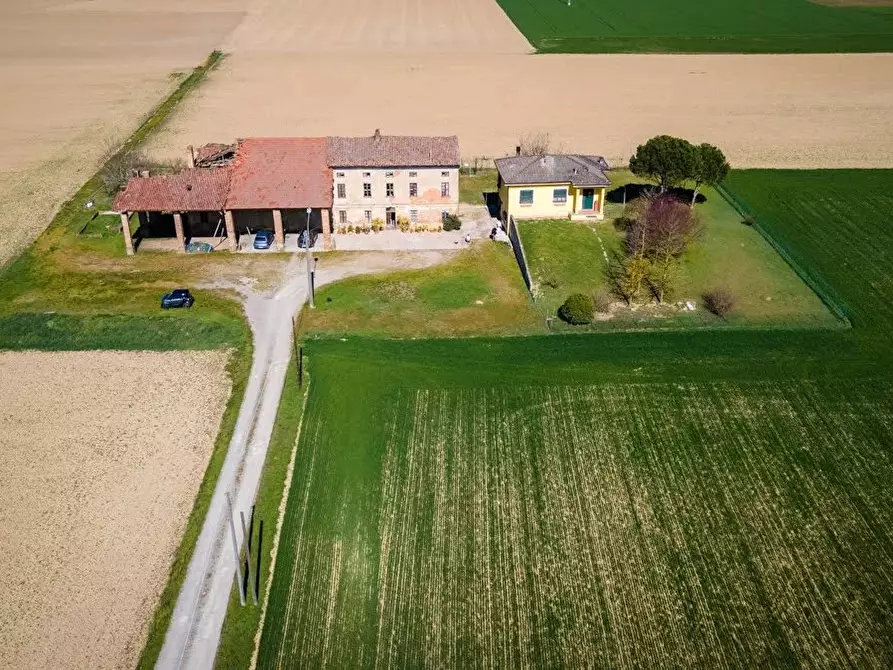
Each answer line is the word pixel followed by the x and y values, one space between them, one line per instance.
pixel 193 635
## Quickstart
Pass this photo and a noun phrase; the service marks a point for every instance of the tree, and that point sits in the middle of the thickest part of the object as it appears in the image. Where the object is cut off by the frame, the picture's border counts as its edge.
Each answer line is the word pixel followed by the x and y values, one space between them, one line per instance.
pixel 667 160
pixel 661 234
pixel 535 144
pixel 710 168
pixel 633 275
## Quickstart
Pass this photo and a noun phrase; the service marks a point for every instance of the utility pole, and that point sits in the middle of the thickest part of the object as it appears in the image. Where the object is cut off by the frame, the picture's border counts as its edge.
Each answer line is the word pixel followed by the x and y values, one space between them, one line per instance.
pixel 232 527
pixel 307 253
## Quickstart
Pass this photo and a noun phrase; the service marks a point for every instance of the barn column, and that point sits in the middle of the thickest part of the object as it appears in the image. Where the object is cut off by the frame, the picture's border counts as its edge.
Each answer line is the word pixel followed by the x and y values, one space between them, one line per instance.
pixel 125 230
pixel 277 229
pixel 326 231
pixel 231 230
pixel 178 228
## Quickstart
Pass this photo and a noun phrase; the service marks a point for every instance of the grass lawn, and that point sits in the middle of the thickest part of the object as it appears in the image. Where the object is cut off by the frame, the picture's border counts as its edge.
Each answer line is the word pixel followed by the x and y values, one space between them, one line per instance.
pixel 567 257
pixel 478 292
pixel 473 186
pixel 718 26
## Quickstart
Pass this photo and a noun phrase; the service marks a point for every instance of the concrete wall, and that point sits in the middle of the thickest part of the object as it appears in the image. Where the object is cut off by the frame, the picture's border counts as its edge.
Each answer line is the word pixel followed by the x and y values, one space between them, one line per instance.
pixel 427 203
pixel 544 205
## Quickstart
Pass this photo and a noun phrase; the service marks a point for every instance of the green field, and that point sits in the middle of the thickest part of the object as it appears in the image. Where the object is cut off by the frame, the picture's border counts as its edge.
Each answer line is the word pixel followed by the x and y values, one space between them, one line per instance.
pixel 714 26
pixel 646 499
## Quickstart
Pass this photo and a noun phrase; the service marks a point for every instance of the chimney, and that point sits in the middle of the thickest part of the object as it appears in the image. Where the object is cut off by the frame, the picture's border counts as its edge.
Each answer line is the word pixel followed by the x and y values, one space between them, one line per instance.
pixel 518 150
pixel 575 171
pixel 144 173
pixel 191 160
pixel 377 135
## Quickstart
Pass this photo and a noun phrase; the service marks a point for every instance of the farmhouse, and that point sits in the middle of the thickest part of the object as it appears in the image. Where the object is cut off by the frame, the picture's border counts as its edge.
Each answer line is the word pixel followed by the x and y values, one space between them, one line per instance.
pixel 286 184
pixel 385 177
pixel 552 186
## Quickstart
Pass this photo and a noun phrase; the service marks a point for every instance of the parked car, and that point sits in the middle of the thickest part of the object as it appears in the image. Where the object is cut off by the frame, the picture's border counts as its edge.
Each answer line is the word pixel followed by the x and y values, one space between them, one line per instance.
pixel 302 239
pixel 263 239
pixel 180 297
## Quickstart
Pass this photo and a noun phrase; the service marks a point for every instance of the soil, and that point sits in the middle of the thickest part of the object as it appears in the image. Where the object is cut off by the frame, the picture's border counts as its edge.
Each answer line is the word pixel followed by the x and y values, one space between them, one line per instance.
pixel 101 456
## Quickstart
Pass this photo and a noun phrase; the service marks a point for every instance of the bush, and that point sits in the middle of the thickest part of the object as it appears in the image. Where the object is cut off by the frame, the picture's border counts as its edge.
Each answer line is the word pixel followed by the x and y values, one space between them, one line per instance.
pixel 578 309
pixel 451 222
pixel 602 302
pixel 720 301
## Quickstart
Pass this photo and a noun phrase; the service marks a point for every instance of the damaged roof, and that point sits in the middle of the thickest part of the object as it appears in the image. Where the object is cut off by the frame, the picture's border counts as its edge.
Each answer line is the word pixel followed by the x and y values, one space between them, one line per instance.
pixel 394 151
pixel 190 190
pixel 576 169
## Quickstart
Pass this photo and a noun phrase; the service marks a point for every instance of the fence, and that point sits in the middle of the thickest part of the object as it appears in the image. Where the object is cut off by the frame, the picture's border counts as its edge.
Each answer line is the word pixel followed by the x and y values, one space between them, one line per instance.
pixel 821 287
pixel 520 256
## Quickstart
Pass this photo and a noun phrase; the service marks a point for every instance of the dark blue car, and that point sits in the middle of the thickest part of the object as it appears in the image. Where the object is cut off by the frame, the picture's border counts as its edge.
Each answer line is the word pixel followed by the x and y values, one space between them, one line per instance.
pixel 180 297
pixel 263 239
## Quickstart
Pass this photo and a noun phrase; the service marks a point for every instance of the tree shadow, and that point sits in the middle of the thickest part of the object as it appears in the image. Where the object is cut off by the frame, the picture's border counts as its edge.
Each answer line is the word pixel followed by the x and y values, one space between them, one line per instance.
pixel 634 191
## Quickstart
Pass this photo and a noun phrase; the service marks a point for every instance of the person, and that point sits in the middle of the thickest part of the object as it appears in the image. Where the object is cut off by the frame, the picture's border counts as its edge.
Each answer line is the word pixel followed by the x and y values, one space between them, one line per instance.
pixel 467 238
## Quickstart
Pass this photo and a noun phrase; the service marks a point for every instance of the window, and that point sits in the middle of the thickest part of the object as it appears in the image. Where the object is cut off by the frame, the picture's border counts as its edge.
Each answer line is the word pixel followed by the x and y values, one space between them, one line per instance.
pixel 413 189
pixel 368 215
pixel 388 174
pixel 559 196
pixel 339 174
pixel 342 191
pixel 526 196
pixel 342 216
pixel 389 189
pixel 444 189
pixel 367 190
pixel 367 174
pixel 445 173
pixel 413 174
pixel 414 215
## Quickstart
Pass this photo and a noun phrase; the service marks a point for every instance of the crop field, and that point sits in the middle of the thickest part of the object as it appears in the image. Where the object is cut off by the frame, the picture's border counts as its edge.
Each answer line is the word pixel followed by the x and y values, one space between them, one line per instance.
pixel 718 26
pixel 836 223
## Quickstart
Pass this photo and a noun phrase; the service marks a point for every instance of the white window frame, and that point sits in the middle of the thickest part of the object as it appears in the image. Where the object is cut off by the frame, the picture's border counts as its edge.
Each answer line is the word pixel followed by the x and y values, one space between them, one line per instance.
pixel 388 174
pixel 342 216
pixel 445 173
pixel 521 193
pixel 414 216
pixel 367 215
pixel 367 174
pixel 413 173
pixel 413 189
pixel 444 189
pixel 341 190
pixel 339 174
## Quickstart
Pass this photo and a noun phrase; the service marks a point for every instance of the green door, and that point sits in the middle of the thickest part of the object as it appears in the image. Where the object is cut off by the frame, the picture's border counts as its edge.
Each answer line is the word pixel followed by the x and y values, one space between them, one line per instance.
pixel 588 198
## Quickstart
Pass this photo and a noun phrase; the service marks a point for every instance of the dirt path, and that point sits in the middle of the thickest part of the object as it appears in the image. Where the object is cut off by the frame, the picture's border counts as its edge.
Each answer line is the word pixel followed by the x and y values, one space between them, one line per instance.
pixel 194 631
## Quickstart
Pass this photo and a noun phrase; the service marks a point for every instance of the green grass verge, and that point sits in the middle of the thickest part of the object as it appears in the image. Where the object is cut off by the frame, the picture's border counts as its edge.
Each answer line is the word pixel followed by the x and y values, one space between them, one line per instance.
pixel 478 292
pixel 239 368
pixel 568 257
pixel 240 626
pixel 721 26
pixel 473 186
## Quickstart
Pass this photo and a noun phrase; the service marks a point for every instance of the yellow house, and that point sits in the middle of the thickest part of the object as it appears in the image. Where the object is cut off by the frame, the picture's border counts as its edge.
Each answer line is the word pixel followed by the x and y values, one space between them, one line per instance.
pixel 554 186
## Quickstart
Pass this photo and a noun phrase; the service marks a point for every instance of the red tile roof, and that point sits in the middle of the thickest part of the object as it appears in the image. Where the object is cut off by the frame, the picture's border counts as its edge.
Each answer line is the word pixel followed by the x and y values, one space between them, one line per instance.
pixel 193 190
pixel 393 151
pixel 280 173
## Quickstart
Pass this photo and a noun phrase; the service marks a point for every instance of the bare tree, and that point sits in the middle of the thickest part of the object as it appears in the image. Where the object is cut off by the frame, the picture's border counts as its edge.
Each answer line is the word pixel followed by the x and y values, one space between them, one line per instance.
pixel 535 144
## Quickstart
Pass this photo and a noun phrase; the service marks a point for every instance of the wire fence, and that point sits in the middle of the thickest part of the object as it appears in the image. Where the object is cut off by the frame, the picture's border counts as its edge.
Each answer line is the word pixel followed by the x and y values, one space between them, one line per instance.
pixel 520 256
pixel 822 288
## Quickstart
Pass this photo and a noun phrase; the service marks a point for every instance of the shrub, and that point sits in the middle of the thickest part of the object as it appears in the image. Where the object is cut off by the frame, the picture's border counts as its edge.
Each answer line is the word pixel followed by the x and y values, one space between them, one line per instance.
pixel 720 301
pixel 404 224
pixel 350 229
pixel 451 222
pixel 578 309
pixel 602 302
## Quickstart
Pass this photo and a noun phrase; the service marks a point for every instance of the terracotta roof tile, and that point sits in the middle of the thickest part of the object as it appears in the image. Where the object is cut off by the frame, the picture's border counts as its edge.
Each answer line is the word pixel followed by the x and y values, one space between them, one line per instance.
pixel 280 173
pixel 193 190
pixel 393 151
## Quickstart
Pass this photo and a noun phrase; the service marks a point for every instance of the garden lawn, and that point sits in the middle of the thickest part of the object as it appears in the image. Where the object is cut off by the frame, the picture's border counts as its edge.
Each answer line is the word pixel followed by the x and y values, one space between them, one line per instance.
pixel 568 257
pixel 715 26
pixel 472 187
pixel 478 292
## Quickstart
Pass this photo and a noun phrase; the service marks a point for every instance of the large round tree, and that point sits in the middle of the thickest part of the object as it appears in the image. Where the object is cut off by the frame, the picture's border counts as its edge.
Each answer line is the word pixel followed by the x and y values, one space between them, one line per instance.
pixel 667 160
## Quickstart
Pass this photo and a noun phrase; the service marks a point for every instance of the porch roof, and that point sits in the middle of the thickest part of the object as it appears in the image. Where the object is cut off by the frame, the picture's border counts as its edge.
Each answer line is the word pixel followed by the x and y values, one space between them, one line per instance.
pixel 191 190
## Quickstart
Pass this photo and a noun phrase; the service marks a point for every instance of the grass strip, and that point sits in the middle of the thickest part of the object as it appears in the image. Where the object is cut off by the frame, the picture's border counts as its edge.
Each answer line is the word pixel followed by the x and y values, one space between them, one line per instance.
pixel 238 369
pixel 237 639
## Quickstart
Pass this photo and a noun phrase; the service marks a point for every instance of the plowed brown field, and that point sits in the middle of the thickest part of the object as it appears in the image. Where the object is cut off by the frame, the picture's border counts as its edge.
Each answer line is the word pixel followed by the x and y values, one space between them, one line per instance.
pixel 101 456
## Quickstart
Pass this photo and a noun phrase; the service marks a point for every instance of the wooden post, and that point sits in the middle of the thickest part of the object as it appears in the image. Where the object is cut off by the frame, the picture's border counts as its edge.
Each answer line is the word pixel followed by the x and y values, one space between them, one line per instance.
pixel 178 228
pixel 231 230
pixel 125 231
pixel 277 229
pixel 326 231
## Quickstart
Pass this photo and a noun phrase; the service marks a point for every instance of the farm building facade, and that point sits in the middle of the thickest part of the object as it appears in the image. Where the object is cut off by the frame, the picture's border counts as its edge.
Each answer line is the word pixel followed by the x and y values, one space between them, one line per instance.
pixel 287 184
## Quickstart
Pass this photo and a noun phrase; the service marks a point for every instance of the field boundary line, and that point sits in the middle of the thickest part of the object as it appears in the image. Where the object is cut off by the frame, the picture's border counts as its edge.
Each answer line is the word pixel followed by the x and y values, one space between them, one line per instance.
pixel 280 522
pixel 808 277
